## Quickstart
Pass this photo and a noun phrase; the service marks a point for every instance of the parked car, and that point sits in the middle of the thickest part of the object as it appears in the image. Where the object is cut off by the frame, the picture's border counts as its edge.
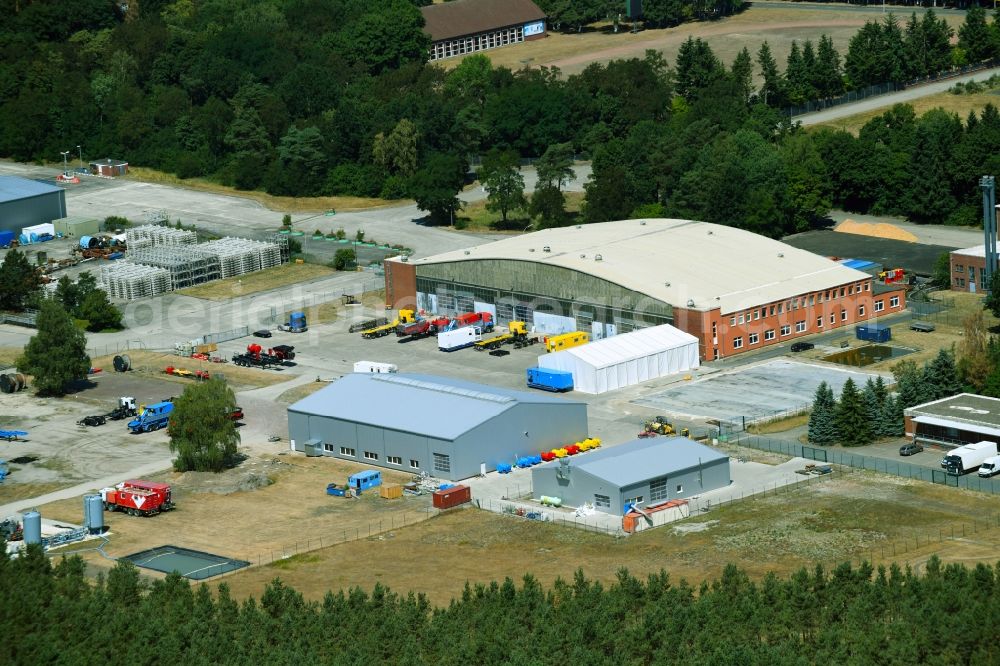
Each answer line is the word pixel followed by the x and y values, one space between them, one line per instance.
pixel 910 449
pixel 262 333
pixel 802 346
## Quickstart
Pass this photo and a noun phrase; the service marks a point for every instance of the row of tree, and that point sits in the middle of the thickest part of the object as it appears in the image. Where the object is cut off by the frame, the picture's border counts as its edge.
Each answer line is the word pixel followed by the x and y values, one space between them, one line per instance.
pixel 82 299
pixel 574 15
pixel 305 98
pixel 51 613
pixel 860 417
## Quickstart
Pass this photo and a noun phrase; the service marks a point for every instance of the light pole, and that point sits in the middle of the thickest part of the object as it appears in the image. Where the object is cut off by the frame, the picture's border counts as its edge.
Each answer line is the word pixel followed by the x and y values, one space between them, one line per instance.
pixel 80 151
pixel 64 153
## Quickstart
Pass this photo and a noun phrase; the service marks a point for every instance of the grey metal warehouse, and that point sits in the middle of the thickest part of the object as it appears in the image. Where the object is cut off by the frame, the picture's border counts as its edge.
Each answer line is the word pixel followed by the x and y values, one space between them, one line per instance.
pixel 25 203
pixel 646 472
pixel 449 428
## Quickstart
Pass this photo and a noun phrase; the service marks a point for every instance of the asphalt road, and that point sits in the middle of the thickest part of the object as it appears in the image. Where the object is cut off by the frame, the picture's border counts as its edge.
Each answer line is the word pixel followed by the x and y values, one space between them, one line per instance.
pixel 885 101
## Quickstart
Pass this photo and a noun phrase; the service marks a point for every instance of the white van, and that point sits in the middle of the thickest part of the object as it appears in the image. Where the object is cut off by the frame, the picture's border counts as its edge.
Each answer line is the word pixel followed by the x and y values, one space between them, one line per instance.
pixel 990 466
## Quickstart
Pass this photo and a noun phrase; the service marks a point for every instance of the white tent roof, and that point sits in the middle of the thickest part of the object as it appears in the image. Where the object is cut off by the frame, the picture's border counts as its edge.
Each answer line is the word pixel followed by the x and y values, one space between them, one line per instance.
pixel 630 346
pixel 626 359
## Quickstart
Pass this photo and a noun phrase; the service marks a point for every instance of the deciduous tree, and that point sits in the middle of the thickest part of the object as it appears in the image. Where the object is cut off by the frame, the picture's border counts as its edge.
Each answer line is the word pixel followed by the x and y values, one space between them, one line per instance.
pixel 56 355
pixel 500 175
pixel 19 279
pixel 202 434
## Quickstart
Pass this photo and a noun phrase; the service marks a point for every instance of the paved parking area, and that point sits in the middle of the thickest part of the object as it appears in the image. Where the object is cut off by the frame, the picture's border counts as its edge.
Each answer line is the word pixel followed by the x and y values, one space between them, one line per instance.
pixel 751 392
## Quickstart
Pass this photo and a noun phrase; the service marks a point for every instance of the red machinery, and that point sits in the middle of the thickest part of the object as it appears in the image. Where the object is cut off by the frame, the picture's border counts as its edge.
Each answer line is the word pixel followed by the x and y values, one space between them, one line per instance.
pixel 893 276
pixel 236 414
pixel 481 319
pixel 138 498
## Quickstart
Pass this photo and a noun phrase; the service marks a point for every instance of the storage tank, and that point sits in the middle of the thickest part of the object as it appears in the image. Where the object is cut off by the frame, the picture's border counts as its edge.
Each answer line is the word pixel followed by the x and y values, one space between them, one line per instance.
pixel 32 527
pixel 93 513
pixel 87 242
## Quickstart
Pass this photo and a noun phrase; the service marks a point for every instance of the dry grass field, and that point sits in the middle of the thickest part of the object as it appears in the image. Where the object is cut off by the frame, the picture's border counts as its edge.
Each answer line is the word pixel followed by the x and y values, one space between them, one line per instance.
pixel 859 515
pixel 236 514
pixel 280 204
pixel 253 283
pixel 571 53
pixel 152 364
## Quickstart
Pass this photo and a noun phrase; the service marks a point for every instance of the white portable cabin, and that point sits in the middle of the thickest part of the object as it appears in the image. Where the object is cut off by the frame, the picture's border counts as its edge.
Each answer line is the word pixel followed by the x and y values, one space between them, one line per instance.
pixel 375 367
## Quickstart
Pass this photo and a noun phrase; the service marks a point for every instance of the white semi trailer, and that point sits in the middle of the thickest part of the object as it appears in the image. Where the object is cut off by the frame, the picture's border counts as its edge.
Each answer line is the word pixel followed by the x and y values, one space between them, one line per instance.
pixel 968 458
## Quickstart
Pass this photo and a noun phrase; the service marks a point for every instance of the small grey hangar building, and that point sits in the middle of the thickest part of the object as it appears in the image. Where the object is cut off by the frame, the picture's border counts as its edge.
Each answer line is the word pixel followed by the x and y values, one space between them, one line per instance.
pixel 451 429
pixel 646 472
pixel 26 203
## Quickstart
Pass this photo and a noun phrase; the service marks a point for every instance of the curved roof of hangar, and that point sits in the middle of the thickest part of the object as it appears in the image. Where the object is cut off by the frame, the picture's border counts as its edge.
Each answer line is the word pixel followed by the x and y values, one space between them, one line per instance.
pixel 685 263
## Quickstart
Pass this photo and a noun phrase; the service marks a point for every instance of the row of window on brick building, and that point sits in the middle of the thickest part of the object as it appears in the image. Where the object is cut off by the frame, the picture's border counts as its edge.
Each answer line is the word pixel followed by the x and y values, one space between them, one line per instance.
pixel 795 304
pixel 960 281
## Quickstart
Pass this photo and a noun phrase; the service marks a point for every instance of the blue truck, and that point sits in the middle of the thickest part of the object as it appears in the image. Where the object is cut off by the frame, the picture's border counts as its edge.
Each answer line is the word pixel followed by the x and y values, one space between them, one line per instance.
pixel 550 380
pixel 152 417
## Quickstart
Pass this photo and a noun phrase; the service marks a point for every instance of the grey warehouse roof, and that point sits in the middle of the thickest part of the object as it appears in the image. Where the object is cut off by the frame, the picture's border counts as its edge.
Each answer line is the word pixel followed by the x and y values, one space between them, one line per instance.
pixel 964 408
pixel 13 188
pixel 439 407
pixel 643 459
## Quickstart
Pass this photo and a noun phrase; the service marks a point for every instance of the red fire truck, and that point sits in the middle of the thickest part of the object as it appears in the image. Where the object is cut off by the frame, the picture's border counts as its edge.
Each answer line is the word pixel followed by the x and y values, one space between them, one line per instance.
pixel 138 498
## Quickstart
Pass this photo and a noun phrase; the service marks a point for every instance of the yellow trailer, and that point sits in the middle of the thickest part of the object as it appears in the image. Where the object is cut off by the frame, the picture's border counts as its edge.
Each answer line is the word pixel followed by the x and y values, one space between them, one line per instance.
pixel 566 341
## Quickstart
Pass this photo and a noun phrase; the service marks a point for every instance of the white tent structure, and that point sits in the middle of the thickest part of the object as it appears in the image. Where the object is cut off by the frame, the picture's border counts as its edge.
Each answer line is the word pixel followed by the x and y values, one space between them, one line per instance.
pixel 626 359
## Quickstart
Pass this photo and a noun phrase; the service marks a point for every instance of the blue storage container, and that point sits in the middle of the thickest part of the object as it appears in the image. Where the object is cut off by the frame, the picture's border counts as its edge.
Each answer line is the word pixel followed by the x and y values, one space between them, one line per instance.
pixel 6 238
pixel 550 380
pixel 873 333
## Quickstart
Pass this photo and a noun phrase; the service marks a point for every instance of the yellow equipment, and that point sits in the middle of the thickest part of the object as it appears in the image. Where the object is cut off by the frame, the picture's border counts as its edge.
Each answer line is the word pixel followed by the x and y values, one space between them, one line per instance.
pixel 660 426
pixel 405 317
pixel 566 340
pixel 516 330
pixel 380 331
pixel 560 452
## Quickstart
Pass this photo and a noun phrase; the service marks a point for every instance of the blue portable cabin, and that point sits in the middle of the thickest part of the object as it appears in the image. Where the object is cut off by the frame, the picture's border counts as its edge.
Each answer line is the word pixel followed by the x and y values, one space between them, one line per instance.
pixel 550 380
pixel 873 332
pixel 364 480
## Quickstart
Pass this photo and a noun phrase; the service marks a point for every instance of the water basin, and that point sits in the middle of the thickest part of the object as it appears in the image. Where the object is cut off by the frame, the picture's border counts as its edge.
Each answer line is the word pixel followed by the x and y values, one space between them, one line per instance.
pixel 859 357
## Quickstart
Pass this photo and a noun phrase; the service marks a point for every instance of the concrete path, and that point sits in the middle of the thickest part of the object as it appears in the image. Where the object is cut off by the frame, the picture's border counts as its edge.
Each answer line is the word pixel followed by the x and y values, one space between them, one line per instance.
pixel 885 101
pixel 83 488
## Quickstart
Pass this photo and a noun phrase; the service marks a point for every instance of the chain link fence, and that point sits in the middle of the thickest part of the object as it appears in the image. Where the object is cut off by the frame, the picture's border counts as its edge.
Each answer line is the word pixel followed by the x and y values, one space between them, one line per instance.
pixel 860 461
pixel 883 89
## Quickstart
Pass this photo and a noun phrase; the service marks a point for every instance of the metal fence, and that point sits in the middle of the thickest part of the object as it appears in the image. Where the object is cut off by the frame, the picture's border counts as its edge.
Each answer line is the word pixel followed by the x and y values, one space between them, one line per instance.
pixel 860 461
pixel 882 89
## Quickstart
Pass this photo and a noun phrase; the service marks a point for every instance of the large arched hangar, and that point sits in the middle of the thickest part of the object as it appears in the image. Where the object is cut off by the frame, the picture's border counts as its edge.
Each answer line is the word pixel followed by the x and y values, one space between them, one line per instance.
pixel 732 289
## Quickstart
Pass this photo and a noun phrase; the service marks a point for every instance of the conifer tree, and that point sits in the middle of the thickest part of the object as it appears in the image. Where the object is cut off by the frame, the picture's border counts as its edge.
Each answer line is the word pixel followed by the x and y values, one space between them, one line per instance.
pixel 890 418
pixel 852 419
pixel 872 404
pixel 822 420
pixel 771 91
pixel 941 376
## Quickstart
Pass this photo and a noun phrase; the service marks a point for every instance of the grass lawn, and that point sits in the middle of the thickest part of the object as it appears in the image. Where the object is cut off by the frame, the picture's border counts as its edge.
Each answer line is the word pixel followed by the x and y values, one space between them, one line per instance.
pixel 958 104
pixel 280 204
pixel 8 355
pixel 252 283
pixel 780 425
pixel 476 218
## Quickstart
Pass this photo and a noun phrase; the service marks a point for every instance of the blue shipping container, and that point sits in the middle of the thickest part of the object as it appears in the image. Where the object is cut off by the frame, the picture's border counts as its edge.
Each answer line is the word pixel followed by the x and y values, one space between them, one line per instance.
pixel 873 333
pixel 6 237
pixel 550 380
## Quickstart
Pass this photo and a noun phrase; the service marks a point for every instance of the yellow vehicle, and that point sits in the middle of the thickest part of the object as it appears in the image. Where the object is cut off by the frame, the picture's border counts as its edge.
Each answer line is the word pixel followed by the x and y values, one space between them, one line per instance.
pixel 660 426
pixel 405 317
pixel 566 341
pixel 516 330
